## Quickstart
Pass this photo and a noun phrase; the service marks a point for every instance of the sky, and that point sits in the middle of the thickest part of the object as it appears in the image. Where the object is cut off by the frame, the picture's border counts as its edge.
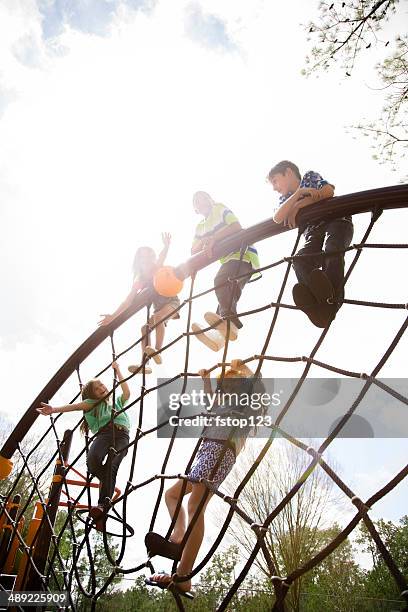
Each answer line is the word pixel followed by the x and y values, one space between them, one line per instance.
pixel 112 114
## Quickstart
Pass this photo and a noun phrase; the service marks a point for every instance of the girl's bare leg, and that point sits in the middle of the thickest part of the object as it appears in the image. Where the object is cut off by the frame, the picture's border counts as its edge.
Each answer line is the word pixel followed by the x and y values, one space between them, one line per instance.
pixel 160 329
pixel 144 343
pixel 146 339
pixel 172 496
pixel 196 536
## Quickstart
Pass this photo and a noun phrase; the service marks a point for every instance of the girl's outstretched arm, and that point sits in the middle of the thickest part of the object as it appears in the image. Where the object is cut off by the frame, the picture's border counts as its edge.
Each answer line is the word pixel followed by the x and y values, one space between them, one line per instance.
pixel 166 239
pixel 123 384
pixel 108 318
pixel 46 409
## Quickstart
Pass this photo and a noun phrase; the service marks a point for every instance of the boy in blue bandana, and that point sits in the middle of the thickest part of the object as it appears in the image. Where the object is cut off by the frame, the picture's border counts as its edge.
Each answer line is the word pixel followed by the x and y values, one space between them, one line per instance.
pixel 320 291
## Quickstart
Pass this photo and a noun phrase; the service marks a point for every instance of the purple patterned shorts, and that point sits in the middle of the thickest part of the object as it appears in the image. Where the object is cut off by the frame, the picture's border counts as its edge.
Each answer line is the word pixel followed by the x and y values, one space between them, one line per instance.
pixel 206 458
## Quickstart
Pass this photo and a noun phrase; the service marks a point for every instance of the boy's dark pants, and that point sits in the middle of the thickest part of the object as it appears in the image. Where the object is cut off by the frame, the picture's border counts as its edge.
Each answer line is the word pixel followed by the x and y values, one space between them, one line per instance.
pixel 97 453
pixel 336 235
pixel 228 270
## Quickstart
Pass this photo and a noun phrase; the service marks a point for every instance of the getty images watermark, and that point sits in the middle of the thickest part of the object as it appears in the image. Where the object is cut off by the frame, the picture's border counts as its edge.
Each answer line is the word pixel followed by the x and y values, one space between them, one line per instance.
pixel 245 399
pixel 228 409
pixel 315 409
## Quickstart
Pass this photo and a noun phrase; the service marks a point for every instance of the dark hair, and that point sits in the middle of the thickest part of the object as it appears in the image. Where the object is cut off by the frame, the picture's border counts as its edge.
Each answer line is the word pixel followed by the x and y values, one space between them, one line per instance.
pixel 281 168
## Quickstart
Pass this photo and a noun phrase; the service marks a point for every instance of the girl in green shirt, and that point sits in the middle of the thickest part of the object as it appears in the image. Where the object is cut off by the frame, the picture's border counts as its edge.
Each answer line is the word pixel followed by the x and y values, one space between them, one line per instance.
pixel 110 430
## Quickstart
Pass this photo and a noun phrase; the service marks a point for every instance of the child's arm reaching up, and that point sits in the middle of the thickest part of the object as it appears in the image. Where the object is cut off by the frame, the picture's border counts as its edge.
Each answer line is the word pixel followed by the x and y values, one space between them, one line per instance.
pixel 205 375
pixel 123 384
pixel 166 239
pixel 257 385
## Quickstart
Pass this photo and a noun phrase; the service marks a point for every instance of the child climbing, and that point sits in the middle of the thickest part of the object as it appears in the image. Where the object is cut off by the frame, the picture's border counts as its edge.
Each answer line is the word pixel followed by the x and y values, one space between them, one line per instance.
pixel 319 292
pixel 220 444
pixel 218 223
pixel 145 264
pixel 111 431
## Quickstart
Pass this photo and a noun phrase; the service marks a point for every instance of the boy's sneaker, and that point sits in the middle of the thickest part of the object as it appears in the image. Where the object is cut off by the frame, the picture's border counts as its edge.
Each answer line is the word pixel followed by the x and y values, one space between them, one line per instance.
pixel 149 350
pixel 322 288
pixel 212 319
pixel 212 339
pixel 138 369
pixel 305 301
pixel 320 285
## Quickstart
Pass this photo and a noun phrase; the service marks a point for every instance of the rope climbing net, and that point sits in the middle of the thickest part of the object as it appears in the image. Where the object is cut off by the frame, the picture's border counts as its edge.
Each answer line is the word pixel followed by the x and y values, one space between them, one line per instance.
pixel 41 562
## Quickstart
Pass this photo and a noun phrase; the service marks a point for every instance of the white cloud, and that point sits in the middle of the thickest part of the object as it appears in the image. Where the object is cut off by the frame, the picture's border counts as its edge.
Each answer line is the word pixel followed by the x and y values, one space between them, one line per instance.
pixel 207 29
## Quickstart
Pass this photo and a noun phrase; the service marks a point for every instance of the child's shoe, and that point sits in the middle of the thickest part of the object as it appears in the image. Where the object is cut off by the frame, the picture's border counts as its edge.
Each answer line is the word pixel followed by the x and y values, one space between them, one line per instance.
pixel 320 285
pixel 212 319
pixel 212 339
pixel 97 513
pixel 138 369
pixel 305 301
pixel 322 289
pixel 149 350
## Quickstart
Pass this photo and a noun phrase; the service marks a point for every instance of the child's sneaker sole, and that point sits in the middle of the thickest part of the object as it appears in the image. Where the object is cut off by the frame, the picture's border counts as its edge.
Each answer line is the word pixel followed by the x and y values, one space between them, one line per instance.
pixel 206 339
pixel 133 369
pixel 149 350
pixel 212 319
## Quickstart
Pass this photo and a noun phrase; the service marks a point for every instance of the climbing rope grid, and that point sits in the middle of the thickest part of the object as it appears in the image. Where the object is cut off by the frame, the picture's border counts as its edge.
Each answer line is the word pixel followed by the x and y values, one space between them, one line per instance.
pixel 41 562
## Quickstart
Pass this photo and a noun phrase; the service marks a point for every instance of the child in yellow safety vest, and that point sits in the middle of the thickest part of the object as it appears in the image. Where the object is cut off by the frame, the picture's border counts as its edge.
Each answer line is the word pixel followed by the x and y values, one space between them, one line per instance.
pixel 218 223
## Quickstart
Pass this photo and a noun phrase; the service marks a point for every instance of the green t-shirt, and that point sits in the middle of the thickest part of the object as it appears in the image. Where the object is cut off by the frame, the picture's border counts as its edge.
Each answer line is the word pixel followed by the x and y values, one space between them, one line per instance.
pixel 220 216
pixel 100 416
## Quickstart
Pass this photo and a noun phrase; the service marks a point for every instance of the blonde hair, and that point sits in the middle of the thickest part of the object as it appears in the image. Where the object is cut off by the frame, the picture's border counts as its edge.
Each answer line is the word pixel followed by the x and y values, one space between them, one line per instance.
pixel 202 196
pixel 232 373
pixel 136 268
pixel 87 392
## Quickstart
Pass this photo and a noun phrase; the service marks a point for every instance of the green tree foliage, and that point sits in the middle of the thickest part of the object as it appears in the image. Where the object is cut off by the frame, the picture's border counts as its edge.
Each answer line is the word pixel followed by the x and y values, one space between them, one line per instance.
pixel 101 567
pixel 255 595
pixel 345 30
pixel 335 584
pixel 379 582
pixel 139 597
pixel 294 535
